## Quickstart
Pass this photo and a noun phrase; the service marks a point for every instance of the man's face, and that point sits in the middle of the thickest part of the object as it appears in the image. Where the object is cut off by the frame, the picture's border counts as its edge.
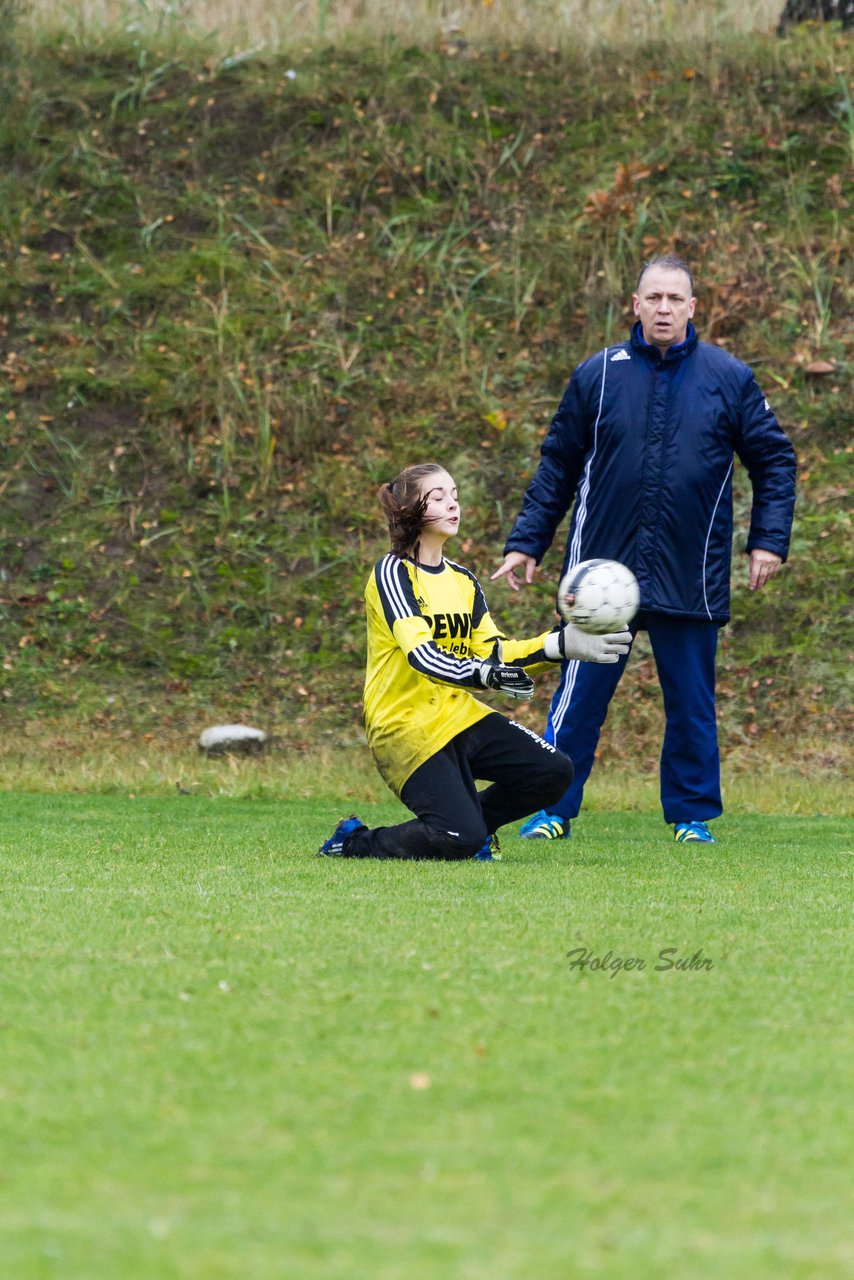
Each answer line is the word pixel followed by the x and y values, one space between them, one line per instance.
pixel 664 305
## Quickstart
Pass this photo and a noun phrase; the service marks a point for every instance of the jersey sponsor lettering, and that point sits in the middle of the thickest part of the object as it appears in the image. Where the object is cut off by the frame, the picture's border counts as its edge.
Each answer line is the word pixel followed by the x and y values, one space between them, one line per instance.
pixel 449 625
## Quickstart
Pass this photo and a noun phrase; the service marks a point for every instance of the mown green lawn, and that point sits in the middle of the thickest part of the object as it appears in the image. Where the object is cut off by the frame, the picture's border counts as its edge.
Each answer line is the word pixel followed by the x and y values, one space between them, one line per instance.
pixel 224 1058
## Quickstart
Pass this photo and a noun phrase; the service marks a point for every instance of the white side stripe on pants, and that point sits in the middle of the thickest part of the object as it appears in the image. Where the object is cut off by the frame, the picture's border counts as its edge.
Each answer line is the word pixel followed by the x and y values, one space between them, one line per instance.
pixel 559 712
pixel 584 487
pixel 570 673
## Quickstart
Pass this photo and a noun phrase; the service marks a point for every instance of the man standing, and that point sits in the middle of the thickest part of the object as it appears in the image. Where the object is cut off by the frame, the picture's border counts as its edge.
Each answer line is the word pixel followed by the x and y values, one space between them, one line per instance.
pixel 644 441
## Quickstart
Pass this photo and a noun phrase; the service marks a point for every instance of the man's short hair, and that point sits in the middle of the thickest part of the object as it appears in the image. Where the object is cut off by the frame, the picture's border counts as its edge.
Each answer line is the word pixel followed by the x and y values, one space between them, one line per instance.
pixel 670 262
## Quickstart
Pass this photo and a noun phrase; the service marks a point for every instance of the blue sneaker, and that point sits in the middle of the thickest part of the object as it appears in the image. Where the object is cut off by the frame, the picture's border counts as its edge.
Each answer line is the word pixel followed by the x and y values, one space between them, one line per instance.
pixel 545 826
pixel 489 851
pixel 334 846
pixel 693 833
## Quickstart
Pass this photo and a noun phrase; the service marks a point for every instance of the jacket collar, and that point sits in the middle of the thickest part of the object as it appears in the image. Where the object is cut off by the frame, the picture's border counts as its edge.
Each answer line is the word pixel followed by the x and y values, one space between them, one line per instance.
pixel 679 352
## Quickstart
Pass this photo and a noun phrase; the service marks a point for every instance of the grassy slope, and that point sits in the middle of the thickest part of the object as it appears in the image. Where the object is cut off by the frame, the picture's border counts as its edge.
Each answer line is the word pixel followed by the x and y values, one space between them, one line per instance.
pixel 236 300
pixel 225 1058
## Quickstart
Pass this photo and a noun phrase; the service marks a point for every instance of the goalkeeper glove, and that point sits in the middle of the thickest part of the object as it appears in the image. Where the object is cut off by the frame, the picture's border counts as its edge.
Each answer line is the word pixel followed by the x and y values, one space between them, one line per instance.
pixel 571 642
pixel 511 681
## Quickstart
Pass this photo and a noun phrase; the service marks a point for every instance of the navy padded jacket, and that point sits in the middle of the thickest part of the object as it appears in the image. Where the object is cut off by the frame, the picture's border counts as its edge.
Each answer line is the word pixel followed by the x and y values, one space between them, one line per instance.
pixel 644 443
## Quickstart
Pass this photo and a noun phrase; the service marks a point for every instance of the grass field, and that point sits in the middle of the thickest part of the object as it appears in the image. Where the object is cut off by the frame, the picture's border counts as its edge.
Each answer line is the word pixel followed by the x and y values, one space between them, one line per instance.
pixel 222 1057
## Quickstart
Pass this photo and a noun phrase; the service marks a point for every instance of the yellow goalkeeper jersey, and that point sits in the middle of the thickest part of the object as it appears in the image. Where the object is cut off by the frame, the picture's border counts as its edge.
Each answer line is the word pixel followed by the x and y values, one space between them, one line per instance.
pixel 426 627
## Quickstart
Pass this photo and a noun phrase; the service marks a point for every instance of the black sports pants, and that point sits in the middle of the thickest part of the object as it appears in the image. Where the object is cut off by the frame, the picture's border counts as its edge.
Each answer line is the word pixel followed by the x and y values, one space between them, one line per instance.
pixel 453 818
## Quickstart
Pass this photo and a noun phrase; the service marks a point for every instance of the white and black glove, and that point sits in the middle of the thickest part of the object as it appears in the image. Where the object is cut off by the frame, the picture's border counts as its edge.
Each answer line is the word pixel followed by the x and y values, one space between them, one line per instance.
pixel 513 682
pixel 571 642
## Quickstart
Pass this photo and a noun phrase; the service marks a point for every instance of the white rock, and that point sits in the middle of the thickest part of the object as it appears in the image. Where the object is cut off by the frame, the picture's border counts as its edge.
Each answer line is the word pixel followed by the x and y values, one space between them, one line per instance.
pixel 221 738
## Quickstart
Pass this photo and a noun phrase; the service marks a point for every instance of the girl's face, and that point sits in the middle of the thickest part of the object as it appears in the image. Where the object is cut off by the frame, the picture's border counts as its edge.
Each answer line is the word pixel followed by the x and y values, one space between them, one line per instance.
pixel 442 513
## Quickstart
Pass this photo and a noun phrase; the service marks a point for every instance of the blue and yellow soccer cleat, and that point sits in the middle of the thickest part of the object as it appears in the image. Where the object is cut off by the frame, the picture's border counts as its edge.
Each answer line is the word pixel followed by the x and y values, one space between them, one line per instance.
pixel 489 851
pixel 545 826
pixel 334 846
pixel 693 833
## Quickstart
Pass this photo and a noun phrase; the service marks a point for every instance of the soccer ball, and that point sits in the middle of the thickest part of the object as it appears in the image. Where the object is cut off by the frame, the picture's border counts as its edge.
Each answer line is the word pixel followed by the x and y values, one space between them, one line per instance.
pixel 606 596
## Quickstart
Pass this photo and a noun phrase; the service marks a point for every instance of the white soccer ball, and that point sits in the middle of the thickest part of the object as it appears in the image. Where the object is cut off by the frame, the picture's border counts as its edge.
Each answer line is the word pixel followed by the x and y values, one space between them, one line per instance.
pixel 606 596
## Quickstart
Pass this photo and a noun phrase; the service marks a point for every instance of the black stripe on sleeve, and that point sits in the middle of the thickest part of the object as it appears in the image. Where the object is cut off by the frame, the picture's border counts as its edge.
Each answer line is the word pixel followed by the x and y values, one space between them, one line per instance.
pixel 432 661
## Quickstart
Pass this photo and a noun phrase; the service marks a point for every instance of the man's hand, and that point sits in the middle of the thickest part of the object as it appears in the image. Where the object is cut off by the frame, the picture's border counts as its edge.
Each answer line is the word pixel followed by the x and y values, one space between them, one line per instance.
pixel 513 682
pixel 512 561
pixel 571 642
pixel 763 565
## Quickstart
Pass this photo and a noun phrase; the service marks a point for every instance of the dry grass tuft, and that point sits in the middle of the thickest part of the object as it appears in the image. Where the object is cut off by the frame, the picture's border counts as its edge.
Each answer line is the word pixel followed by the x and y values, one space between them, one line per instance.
pixel 555 23
pixel 50 758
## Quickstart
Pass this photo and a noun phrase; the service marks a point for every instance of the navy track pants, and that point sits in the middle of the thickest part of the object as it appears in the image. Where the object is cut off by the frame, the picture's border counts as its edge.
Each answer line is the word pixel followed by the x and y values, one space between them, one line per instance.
pixel 684 653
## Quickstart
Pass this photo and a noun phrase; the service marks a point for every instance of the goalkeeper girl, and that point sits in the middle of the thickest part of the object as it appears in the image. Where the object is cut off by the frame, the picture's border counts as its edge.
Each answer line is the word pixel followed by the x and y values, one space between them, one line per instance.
pixel 431 645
